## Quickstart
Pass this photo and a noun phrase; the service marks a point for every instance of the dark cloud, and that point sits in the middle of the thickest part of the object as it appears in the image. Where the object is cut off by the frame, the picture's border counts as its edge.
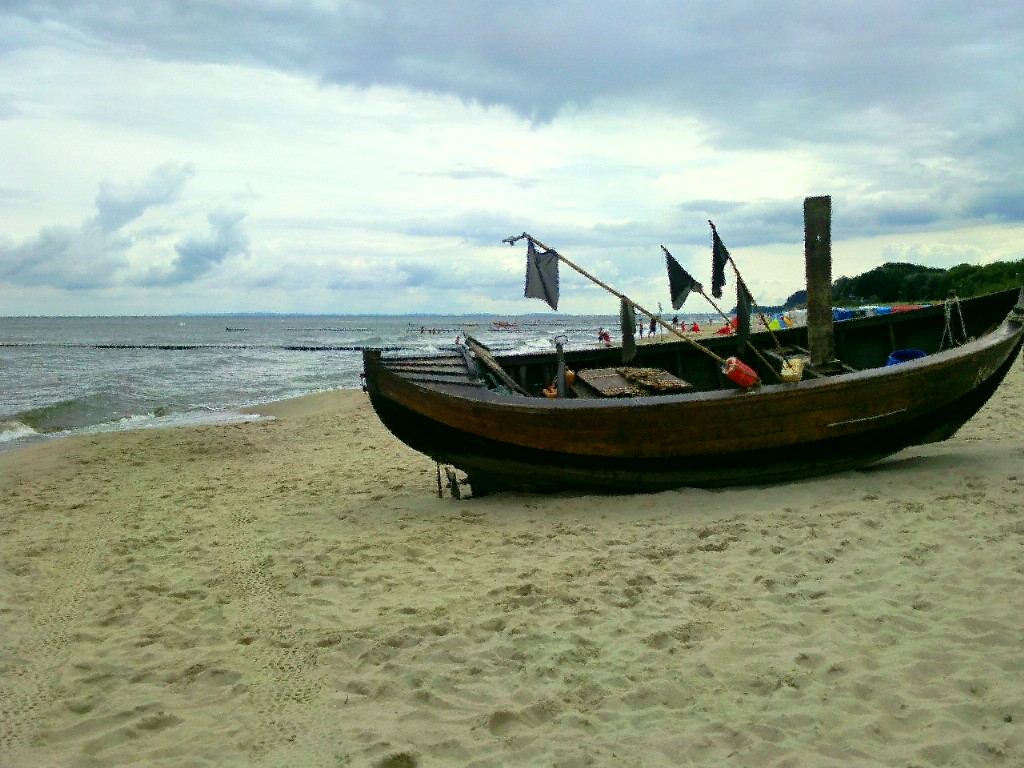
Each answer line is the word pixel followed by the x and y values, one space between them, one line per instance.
pixel 904 93
pixel 788 63
pixel 1000 205
pixel 741 223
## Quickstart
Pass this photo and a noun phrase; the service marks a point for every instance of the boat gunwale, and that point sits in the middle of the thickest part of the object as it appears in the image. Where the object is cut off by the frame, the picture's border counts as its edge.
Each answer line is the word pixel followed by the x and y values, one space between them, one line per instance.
pixel 1006 330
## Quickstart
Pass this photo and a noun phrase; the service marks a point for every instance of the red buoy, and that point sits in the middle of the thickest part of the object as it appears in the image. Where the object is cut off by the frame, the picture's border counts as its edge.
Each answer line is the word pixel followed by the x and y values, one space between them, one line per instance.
pixel 739 372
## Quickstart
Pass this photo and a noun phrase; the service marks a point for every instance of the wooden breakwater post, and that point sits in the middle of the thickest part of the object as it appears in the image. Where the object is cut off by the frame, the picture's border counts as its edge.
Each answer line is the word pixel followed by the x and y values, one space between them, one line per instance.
pixel 818 259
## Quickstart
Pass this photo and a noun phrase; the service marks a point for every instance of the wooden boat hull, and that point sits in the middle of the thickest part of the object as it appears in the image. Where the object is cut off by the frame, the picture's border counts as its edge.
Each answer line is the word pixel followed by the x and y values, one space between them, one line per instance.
pixel 708 438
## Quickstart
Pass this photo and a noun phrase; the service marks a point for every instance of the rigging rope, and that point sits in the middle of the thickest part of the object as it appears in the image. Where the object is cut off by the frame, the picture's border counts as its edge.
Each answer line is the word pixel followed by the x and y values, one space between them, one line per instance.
pixel 953 302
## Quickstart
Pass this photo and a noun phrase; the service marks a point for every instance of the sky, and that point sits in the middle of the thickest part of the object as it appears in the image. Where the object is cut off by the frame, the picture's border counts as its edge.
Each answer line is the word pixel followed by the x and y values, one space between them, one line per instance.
pixel 369 157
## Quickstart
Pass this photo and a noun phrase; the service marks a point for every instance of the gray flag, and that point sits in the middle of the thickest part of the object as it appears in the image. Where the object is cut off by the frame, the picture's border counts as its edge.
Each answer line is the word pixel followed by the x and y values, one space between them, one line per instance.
pixel 542 276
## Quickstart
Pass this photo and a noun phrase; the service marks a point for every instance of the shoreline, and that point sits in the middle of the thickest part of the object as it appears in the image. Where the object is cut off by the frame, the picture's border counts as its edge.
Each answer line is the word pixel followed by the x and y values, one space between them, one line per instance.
pixel 178 421
pixel 290 590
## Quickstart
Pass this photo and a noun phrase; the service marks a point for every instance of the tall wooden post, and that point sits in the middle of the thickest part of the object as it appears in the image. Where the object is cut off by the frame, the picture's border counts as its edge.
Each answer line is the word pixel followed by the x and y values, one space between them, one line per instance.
pixel 818 258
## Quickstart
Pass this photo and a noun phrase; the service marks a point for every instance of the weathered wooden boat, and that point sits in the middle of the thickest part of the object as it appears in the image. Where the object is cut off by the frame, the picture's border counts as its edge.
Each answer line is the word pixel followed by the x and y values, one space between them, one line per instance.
pixel 838 395
pixel 672 418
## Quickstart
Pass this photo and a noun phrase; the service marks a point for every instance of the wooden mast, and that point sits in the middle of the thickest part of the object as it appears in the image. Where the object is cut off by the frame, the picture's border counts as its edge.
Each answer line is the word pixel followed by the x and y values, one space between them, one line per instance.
pixel 818 258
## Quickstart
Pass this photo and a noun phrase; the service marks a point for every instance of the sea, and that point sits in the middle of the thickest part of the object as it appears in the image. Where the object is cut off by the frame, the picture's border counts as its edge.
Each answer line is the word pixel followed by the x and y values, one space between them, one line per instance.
pixel 61 376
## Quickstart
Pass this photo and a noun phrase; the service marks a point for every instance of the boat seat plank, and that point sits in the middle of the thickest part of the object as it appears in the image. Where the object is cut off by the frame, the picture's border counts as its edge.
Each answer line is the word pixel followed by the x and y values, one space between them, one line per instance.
pixel 455 369
pixel 582 390
pixel 448 370
pixel 453 360
pixel 632 382
pixel 458 381
pixel 459 369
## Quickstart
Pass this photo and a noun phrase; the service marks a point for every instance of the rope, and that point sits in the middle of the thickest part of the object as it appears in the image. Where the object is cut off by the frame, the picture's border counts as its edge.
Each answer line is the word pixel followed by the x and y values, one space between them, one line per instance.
pixel 952 302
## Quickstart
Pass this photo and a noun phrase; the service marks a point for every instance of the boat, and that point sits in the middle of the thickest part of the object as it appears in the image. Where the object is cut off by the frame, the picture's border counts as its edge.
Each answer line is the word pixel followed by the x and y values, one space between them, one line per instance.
pixel 489 416
pixel 788 404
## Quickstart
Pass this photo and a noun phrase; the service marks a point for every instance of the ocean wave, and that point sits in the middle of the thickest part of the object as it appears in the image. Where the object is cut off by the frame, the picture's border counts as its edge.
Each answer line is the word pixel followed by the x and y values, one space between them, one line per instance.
pixel 163 420
pixel 15 430
pixel 70 414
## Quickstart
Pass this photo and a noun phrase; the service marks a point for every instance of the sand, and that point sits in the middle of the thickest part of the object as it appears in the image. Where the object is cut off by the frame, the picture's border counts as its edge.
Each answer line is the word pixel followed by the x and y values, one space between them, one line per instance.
pixel 291 592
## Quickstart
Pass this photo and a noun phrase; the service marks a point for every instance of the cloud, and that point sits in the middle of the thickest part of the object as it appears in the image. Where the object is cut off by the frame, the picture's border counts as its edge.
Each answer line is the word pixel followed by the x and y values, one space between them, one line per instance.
pixel 386 147
pixel 64 257
pixel 993 203
pixel 763 63
pixel 120 204
pixel 8 109
pixel 198 255
pixel 867 82
pixel 103 251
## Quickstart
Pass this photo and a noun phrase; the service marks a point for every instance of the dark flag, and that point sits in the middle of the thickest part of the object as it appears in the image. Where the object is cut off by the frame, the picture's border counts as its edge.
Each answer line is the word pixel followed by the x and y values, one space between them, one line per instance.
pixel 542 276
pixel 628 319
pixel 719 257
pixel 680 282
pixel 743 302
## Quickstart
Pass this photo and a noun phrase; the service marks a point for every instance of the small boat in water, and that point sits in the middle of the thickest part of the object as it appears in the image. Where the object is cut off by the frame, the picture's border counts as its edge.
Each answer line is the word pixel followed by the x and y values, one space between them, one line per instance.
pixel 675 416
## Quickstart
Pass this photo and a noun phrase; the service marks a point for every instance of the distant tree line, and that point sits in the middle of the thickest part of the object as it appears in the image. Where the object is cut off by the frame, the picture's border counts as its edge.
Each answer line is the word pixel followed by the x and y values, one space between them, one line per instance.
pixel 893 283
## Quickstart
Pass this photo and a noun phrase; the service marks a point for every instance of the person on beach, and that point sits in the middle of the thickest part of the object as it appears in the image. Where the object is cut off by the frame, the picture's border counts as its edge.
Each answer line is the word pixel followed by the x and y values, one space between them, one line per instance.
pixel 654 325
pixel 695 328
pixel 604 337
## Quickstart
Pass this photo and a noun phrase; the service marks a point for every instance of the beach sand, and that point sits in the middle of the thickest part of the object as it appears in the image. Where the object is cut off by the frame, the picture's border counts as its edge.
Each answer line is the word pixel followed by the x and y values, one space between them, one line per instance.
pixel 291 592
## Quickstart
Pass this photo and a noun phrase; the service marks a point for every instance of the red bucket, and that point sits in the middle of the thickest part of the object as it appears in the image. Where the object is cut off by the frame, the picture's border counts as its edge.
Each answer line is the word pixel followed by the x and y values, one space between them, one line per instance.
pixel 739 372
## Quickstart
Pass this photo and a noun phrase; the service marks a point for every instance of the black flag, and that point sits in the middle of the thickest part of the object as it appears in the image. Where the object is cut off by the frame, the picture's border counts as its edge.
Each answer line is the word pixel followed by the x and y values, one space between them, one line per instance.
pixel 542 276
pixel 628 319
pixel 680 282
pixel 719 257
pixel 743 302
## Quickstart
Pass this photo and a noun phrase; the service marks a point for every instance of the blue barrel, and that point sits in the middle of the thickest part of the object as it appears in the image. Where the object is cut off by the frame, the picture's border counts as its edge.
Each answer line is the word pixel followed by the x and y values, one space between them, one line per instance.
pixel 904 355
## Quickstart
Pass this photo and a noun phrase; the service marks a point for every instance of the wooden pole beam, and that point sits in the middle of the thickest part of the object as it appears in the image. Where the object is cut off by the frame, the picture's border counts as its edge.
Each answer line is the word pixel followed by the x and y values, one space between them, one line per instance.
pixel 818 259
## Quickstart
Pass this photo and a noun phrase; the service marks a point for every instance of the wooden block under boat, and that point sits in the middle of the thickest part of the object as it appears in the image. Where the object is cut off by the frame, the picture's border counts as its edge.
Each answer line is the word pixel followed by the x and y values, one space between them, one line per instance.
pixel 633 382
